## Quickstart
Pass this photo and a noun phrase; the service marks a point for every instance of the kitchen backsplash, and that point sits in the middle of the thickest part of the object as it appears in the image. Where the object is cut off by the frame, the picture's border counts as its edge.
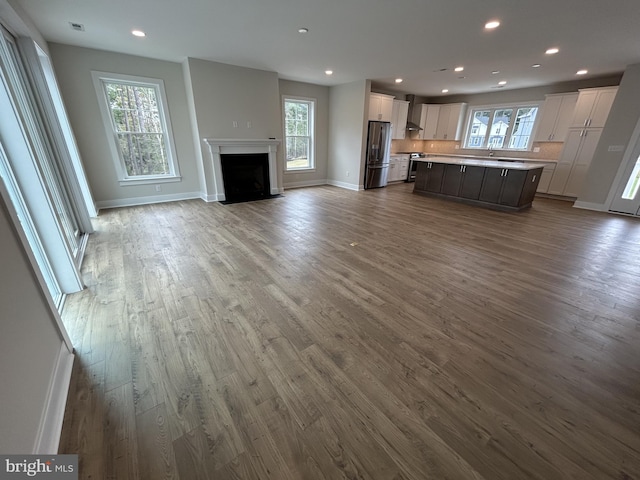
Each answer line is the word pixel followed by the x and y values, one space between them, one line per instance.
pixel 548 150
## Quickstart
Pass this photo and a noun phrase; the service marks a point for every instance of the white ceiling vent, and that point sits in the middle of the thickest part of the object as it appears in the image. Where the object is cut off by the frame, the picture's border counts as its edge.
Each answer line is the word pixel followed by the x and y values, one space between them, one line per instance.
pixel 78 27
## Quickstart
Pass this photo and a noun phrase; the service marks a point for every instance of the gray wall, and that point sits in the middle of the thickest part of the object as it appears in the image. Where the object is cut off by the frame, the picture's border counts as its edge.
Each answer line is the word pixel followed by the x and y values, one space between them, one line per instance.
pixel 622 120
pixel 73 66
pixel 321 95
pixel 348 111
pixel 223 94
pixel 29 345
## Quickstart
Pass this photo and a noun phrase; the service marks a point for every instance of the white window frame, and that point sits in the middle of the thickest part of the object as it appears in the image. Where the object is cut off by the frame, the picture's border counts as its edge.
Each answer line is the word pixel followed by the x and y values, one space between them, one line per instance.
pixel 312 133
pixel 493 109
pixel 173 175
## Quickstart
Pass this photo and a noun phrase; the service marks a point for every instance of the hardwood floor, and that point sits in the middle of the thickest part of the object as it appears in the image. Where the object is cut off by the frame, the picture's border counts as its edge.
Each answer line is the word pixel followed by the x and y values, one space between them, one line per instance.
pixel 363 335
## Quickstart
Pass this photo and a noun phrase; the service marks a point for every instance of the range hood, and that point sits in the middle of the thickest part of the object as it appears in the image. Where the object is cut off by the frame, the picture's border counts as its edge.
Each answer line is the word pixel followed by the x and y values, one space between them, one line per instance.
pixel 412 127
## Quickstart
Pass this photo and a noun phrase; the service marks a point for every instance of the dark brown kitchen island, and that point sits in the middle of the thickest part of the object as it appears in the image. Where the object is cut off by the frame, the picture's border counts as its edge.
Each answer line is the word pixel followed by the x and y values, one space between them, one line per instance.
pixel 496 184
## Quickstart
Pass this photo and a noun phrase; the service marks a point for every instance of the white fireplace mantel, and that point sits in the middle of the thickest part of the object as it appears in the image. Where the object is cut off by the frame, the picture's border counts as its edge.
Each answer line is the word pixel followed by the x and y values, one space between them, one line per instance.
pixel 221 146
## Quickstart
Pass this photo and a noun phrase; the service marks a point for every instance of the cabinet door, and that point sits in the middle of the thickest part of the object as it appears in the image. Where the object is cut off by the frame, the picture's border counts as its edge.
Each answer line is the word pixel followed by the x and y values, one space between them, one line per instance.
pixel 601 108
pixel 374 107
pixel 434 180
pixel 530 186
pixel 399 120
pixel 584 105
pixel 582 161
pixel 557 113
pixel 452 180
pixel 564 117
pixel 456 120
pixel 430 126
pixel 492 185
pixel 471 181
pixel 512 186
pixel 550 110
pixel 393 169
pixel 565 163
pixel 404 170
pixel 422 175
pixel 386 108
pixel 545 178
pixel 443 122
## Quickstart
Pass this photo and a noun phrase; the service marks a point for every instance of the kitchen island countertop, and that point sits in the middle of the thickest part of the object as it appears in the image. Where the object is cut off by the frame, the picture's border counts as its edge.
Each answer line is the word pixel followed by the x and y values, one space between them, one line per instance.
pixel 514 165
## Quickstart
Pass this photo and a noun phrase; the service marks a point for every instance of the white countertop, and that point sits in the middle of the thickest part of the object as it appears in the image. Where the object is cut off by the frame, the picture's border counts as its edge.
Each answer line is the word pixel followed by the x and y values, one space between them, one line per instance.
pixel 471 161
pixel 495 157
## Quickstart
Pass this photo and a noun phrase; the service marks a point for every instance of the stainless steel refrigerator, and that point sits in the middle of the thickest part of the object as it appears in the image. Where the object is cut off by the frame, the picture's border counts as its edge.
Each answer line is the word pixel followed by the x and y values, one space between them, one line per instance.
pixel 378 149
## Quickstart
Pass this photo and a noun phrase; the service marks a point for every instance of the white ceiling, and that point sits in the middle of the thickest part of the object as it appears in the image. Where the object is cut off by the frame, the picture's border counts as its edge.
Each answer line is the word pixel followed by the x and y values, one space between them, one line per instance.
pixel 357 39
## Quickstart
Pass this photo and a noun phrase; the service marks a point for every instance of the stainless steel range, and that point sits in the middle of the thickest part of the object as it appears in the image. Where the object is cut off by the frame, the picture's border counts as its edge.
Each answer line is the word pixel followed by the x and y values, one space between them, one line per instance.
pixel 411 174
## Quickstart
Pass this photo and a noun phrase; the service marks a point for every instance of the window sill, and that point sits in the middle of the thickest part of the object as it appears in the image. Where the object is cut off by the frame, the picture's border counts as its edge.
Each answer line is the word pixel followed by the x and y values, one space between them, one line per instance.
pixel 149 180
pixel 300 170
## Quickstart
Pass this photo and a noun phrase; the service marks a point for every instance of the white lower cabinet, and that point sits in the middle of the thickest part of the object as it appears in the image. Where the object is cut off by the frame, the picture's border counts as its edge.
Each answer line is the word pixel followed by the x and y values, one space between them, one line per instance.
pixel 574 162
pixel 398 168
pixel 545 178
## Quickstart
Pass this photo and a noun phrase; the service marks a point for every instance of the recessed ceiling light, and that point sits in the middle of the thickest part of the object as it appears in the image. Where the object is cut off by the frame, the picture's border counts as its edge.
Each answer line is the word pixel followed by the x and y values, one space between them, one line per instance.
pixel 329 72
pixel 398 80
pixel 581 72
pixel 552 51
pixel 495 72
pixel 303 30
pixel 502 82
pixel 138 33
pixel 445 90
pixel 458 69
pixel 492 24
pixel 536 65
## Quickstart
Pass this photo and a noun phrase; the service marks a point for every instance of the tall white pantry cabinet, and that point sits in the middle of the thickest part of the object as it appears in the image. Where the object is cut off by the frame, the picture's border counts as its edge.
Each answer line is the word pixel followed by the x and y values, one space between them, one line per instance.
pixel 589 116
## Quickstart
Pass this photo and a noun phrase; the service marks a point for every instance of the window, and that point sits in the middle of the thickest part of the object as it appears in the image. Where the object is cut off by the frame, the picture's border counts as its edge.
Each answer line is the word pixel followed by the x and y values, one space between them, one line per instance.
pixel 137 121
pixel 298 133
pixel 501 128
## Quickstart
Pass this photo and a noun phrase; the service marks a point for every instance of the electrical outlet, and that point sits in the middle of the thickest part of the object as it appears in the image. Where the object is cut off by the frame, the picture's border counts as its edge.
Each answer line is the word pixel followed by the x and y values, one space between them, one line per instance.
pixel 457 147
pixel 235 124
pixel 347 173
pixel 158 188
pixel 248 124
pixel 431 145
pixel 536 149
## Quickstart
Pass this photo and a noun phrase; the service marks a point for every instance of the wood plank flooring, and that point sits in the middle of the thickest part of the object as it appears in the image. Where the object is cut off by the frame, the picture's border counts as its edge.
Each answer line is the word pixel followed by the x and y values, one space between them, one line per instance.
pixel 334 334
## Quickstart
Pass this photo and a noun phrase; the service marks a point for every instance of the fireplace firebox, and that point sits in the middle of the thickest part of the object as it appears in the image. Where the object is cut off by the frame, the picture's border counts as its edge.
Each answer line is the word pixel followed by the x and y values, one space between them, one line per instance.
pixel 245 176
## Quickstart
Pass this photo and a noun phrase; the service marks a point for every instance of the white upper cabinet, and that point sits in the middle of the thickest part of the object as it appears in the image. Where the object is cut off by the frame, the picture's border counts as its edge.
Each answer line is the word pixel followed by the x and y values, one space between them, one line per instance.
pixel 399 119
pixel 592 108
pixel 557 113
pixel 451 121
pixel 380 107
pixel 426 116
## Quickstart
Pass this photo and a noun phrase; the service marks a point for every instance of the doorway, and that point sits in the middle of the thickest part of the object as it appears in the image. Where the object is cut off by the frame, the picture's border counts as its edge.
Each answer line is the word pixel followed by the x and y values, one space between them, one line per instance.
pixel 627 197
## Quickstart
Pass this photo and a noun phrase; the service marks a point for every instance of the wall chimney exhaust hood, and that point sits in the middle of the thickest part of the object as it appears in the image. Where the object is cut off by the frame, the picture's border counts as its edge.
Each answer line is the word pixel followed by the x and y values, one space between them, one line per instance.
pixel 412 127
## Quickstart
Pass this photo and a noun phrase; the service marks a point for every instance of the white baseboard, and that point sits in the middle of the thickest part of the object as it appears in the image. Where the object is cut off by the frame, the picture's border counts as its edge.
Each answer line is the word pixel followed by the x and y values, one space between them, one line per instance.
pixel 208 198
pixel 348 186
pixel 598 207
pixel 305 183
pixel 48 439
pixel 130 202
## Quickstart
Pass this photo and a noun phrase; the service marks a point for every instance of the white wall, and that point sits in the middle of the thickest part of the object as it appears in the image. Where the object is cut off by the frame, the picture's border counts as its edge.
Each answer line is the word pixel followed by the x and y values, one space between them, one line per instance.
pixel 348 109
pixel 223 94
pixel 623 117
pixel 30 345
pixel 73 66
pixel 321 95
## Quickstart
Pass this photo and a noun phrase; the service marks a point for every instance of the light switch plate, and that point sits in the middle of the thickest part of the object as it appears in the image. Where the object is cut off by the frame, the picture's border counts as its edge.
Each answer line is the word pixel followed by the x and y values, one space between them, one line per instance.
pixel 616 148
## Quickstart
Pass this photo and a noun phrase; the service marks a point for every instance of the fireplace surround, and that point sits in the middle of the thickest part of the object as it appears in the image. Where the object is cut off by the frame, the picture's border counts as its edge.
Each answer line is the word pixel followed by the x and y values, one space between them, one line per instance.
pixel 242 147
